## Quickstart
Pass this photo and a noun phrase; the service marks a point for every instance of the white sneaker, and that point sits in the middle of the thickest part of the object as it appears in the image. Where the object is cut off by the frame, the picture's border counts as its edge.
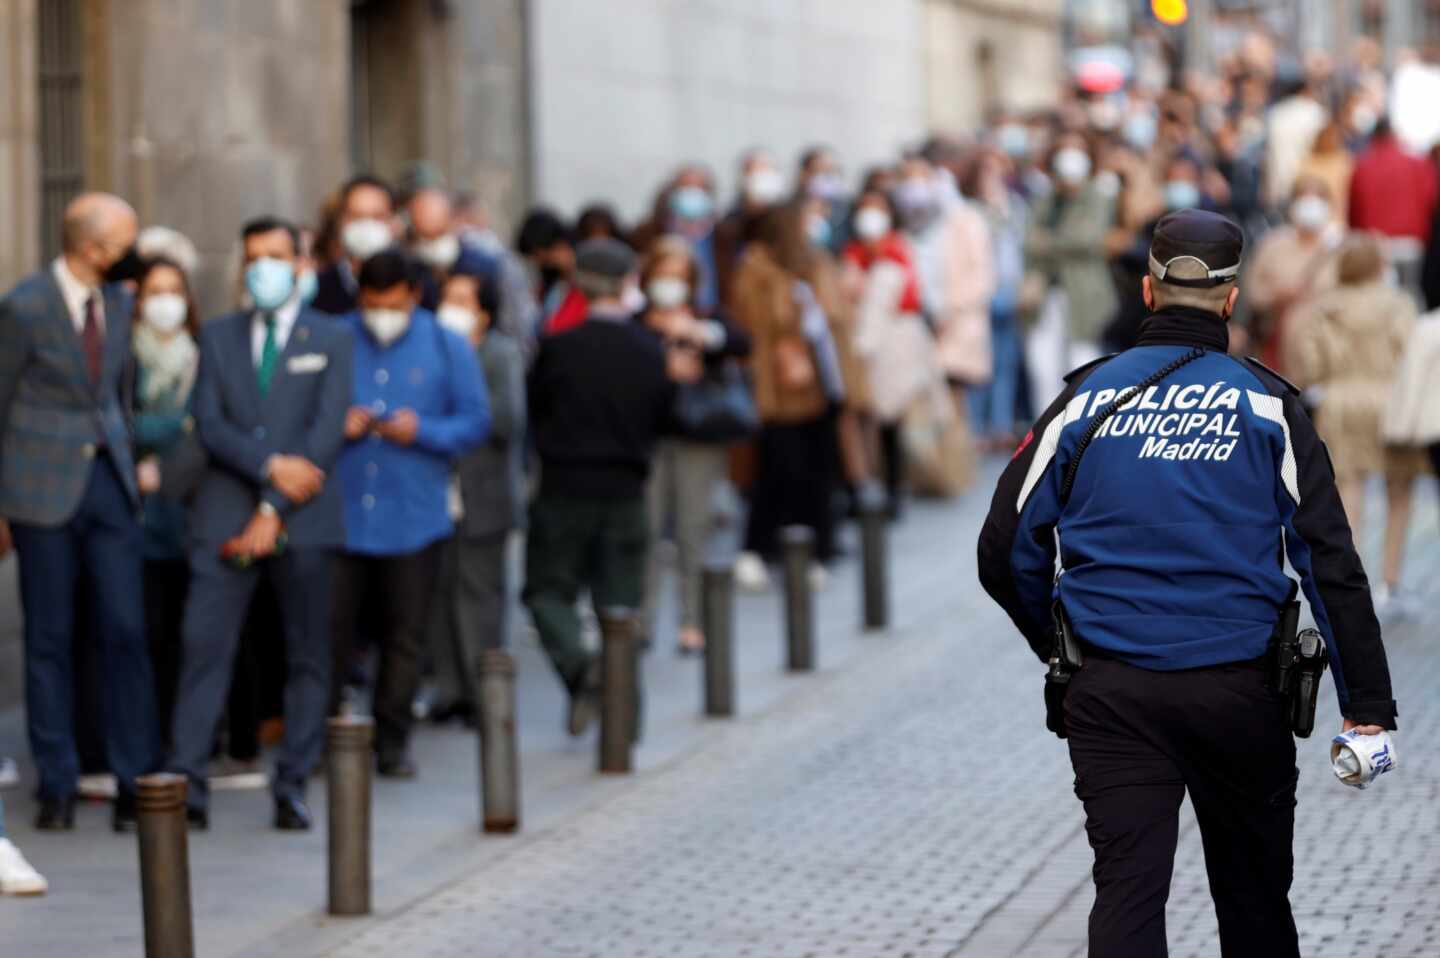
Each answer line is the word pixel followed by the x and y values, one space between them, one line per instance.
pixel 233 775
pixel 9 773
pixel 16 875
pixel 750 573
pixel 99 787
pixel 819 577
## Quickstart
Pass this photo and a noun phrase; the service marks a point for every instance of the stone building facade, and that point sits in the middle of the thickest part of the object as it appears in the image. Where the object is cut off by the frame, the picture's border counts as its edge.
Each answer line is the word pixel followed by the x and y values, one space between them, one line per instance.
pixel 205 112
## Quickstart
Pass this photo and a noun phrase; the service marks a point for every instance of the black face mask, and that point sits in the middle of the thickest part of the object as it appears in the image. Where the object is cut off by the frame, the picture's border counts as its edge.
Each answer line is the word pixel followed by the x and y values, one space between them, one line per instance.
pixel 127 267
pixel 549 276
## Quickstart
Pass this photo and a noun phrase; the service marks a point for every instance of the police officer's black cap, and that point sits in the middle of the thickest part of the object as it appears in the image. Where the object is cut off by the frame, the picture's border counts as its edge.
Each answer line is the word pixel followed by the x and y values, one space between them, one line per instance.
pixel 603 256
pixel 1208 239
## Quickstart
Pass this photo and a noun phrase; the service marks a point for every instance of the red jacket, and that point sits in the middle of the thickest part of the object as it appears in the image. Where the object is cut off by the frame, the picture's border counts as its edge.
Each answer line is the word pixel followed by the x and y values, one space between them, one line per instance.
pixel 569 313
pixel 893 248
pixel 1393 192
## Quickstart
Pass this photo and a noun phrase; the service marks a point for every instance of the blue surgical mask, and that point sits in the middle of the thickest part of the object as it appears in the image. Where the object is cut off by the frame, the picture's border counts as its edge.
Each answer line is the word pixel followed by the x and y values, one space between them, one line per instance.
pixel 691 203
pixel 1140 130
pixel 1181 195
pixel 307 285
pixel 818 228
pixel 269 282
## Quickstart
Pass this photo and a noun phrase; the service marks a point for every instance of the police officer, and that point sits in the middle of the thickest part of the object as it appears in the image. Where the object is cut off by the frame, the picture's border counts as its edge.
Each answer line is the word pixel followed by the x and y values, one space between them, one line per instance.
pixel 1161 532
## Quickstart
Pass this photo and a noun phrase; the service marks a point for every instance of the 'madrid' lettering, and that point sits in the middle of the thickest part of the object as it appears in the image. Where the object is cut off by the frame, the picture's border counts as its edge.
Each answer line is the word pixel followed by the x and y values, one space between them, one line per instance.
pixel 1157 447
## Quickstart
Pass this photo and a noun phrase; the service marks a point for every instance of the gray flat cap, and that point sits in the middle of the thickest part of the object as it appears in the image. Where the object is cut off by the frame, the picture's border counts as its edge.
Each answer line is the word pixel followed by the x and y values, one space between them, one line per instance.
pixel 603 256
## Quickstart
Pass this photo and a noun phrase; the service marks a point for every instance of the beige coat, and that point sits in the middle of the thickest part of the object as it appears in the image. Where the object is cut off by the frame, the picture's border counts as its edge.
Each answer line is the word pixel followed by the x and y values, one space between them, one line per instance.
pixel 1413 416
pixel 896 347
pixel 1348 346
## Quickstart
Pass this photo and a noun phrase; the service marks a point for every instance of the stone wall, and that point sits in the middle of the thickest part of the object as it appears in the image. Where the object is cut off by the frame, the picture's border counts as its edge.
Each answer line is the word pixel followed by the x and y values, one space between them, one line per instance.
pixel 981 54
pixel 625 90
pixel 19 248
pixel 220 111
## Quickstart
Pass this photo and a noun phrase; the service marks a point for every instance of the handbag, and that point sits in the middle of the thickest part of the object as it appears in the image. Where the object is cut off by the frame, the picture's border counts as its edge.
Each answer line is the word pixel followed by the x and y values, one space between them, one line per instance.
pixel 183 465
pixel 717 408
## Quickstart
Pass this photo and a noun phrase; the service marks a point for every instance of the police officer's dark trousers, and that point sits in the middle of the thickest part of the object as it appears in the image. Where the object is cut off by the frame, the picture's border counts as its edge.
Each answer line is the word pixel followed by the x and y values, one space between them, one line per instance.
pixel 1139 740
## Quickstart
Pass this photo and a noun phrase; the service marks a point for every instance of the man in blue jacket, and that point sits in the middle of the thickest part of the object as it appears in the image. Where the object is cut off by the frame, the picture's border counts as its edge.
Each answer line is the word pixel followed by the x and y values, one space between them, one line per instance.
pixel 1165 548
pixel 269 409
pixel 418 401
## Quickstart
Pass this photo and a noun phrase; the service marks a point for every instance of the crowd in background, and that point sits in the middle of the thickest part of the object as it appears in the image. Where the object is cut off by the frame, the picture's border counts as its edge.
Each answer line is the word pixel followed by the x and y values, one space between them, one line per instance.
pixel 597 387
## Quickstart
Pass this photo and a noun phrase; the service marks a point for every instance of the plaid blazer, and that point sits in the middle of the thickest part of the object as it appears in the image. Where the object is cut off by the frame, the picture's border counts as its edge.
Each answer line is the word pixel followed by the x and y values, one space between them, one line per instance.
pixel 52 419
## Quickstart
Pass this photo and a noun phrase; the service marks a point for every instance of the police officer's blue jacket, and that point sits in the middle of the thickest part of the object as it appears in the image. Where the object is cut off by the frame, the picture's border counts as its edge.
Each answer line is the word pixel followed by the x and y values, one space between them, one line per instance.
pixel 1187 502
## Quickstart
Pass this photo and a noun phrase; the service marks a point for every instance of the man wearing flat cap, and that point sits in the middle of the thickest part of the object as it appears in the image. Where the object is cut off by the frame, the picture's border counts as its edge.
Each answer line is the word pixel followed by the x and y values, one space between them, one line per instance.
pixel 598 398
pixel 1138 540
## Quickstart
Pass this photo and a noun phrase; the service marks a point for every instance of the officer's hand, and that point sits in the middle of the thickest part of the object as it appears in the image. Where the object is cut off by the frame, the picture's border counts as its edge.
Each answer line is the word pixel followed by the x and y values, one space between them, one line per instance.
pixel 1362 729
pixel 6 543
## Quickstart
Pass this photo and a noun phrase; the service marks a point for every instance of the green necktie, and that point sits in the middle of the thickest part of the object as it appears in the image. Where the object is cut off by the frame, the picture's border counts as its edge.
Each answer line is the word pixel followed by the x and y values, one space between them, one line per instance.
pixel 268 354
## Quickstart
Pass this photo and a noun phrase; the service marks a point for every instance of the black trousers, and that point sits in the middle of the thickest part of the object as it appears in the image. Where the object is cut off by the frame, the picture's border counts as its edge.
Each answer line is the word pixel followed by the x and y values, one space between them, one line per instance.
pixel 403 585
pixel 1139 740
pixel 797 467
pixel 167 581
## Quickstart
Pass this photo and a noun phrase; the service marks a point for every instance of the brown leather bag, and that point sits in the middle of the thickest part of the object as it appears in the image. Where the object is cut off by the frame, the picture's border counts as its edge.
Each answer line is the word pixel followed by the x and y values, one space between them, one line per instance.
pixel 794 366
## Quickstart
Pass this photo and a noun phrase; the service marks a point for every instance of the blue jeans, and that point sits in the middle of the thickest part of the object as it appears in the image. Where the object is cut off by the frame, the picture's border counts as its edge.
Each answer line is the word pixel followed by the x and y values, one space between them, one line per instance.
pixel 992 406
pixel 100 546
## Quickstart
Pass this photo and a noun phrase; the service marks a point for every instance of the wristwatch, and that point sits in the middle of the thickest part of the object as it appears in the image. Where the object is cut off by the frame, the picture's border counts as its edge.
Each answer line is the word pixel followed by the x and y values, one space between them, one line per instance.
pixel 267 509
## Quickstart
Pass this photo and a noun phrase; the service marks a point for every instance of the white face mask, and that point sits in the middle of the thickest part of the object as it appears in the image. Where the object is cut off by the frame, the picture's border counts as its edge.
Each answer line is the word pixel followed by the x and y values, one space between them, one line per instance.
pixel 764 186
pixel 164 312
pixel 362 239
pixel 386 325
pixel 457 319
pixel 1072 164
pixel 1310 212
pixel 440 252
pixel 667 292
pixel 872 223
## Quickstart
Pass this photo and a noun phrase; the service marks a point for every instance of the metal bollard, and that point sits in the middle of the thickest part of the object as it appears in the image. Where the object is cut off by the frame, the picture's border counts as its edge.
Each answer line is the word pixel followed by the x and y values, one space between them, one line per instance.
pixel 797 544
pixel 499 757
pixel 164 866
pixel 351 757
pixel 717 613
pixel 875 557
pixel 619 690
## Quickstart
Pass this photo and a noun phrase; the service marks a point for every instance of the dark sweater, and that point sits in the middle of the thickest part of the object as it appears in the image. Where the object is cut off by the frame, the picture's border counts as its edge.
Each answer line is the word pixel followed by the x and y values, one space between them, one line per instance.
pixel 599 397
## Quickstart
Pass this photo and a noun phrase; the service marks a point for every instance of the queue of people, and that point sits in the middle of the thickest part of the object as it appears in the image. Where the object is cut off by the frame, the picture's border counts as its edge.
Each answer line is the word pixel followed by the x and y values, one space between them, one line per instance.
pixel 320 493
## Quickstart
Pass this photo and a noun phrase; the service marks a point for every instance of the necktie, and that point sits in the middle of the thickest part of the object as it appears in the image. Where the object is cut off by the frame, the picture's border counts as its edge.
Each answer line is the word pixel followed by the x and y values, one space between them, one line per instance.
pixel 92 339
pixel 268 354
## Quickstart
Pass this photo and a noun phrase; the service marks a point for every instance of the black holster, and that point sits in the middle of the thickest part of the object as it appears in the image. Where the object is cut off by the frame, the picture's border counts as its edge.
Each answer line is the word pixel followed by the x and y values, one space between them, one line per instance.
pixel 1297 662
pixel 1065 660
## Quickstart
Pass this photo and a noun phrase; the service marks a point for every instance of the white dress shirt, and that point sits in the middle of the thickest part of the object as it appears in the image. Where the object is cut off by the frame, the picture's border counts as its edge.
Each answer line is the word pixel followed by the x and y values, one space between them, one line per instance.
pixel 76 294
pixel 285 318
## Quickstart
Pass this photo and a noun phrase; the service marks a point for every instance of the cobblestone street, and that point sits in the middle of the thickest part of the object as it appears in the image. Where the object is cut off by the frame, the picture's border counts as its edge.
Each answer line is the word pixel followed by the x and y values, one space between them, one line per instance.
pixel 911 803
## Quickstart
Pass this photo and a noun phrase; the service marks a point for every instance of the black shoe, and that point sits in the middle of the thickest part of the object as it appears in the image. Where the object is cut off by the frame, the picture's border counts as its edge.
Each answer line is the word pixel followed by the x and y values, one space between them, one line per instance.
pixel 395 765
pixel 199 818
pixel 584 700
pixel 56 814
pixel 292 814
pixel 122 814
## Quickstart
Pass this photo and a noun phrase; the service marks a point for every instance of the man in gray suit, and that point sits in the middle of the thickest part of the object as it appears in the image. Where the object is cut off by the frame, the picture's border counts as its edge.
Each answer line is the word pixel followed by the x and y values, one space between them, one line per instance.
pixel 469 612
pixel 68 488
pixel 269 407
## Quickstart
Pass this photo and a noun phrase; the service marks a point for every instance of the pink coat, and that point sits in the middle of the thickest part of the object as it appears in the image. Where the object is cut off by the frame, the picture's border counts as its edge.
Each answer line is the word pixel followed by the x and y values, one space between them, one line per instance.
pixel 963 321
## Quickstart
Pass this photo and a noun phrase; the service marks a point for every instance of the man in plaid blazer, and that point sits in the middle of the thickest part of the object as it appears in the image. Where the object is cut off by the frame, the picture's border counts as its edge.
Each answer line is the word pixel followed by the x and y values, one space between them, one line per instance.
pixel 68 490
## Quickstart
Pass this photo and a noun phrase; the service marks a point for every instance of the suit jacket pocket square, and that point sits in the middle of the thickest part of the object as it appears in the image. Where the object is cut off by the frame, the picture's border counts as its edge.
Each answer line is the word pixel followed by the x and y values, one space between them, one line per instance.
pixel 308 363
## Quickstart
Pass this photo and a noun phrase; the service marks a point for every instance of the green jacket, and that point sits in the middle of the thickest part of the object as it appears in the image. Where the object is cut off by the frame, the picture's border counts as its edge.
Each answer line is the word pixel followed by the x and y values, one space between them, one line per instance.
pixel 1067 247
